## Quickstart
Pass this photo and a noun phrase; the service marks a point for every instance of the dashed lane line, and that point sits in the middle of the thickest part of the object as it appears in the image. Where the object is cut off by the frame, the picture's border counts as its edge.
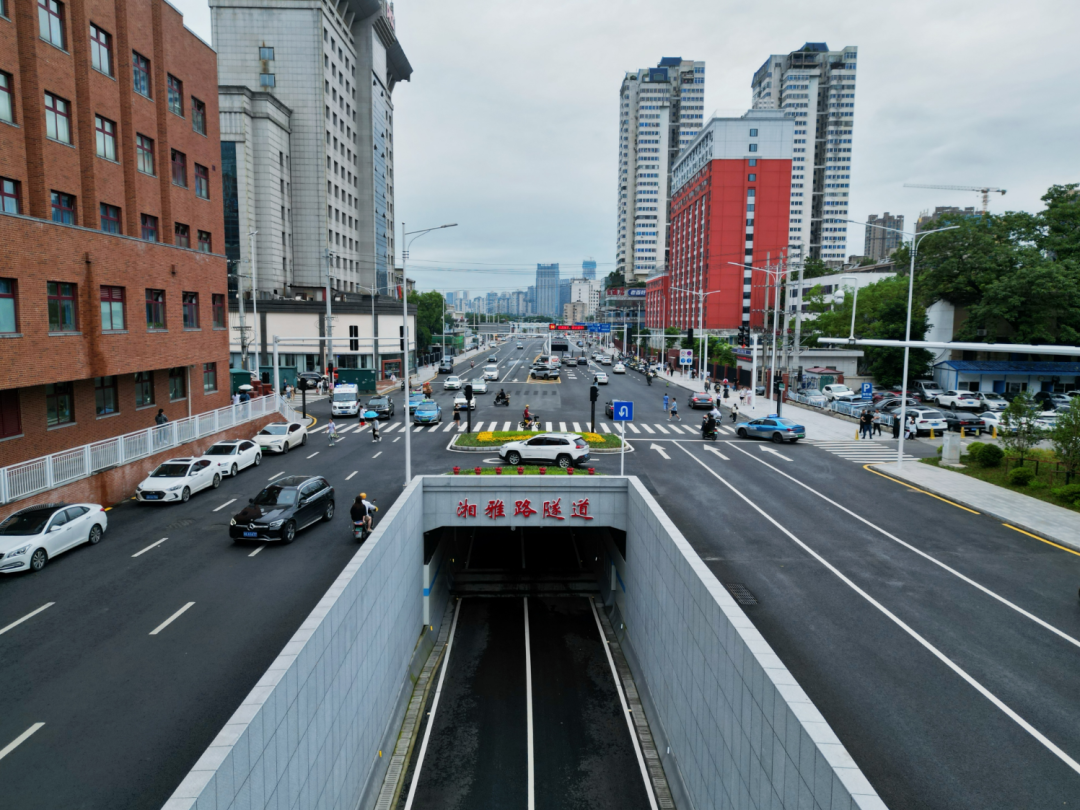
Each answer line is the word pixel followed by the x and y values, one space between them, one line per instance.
pixel 29 615
pixel 232 500
pixel 350 475
pixel 276 475
pixel 378 454
pixel 314 454
pixel 256 551
pixel 171 619
pixel 152 545
pixel 11 746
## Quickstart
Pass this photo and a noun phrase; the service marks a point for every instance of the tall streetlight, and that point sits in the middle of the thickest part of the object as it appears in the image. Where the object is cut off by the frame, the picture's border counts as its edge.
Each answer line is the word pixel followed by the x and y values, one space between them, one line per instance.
pixel 405 242
pixel 774 274
pixel 701 325
pixel 915 239
pixel 330 256
pixel 854 304
pixel 254 304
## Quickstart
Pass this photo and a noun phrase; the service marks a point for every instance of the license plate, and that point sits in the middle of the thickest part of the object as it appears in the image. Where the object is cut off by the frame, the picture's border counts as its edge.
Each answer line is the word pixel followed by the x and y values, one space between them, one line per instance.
pixel 151 497
pixel 251 534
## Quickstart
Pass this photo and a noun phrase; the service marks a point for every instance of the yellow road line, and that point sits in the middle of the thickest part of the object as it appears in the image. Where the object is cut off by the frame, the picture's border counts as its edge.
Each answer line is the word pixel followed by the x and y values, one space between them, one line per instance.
pixel 923 491
pixel 1042 539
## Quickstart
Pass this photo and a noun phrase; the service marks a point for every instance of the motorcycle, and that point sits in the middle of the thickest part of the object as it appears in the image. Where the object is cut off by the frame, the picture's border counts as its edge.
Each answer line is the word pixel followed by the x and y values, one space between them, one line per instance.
pixel 502 400
pixel 706 433
pixel 648 378
pixel 360 531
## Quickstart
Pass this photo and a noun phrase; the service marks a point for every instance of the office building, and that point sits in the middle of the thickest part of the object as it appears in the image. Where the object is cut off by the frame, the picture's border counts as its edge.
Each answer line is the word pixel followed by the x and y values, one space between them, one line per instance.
pixel 334 68
pixel 113 287
pixel 586 291
pixel 729 207
pixel 925 217
pixel 564 293
pixel 574 312
pixel 588 269
pixel 881 244
pixel 547 290
pixel 815 87
pixel 660 111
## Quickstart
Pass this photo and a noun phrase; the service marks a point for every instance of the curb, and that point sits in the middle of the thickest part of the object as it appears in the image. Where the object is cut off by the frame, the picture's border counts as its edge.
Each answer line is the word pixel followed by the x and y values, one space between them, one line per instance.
pixel 592 451
pixel 1071 544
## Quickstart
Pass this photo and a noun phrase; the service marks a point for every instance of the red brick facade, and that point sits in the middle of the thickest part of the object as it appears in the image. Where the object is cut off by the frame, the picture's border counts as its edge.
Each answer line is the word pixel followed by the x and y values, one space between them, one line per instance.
pixel 41 159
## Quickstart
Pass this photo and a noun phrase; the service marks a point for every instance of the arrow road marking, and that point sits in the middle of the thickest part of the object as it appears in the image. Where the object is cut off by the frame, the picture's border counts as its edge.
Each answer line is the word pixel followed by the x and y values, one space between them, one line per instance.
pixel 765 449
pixel 659 450
pixel 717 452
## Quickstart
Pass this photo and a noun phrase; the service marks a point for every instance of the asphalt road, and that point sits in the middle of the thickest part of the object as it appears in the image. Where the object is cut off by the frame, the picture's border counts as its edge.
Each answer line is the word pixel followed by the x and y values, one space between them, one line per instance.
pixel 940 645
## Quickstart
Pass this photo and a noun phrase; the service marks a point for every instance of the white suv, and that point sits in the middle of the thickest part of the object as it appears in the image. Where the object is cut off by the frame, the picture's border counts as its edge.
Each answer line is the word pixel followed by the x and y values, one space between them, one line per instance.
pixel 564 449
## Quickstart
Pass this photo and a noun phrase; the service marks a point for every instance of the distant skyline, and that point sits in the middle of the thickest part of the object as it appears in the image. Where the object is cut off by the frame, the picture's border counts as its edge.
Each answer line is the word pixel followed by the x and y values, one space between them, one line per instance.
pixel 509 126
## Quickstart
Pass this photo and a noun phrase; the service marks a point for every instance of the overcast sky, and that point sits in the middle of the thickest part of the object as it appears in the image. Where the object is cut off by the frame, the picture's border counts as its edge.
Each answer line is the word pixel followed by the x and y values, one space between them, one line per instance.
pixel 509 126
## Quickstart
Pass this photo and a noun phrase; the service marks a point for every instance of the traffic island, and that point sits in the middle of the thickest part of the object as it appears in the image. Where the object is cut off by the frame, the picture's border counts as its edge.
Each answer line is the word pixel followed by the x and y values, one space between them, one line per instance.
pixel 488 440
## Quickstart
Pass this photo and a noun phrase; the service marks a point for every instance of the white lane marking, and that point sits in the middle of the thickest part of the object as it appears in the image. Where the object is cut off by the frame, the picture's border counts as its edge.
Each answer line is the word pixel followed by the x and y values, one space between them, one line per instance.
pixel 506 427
pixel 765 449
pixel 350 475
pixel 626 709
pixel 604 427
pixel 256 551
pixel 434 707
pixel 233 500
pixel 688 429
pixel 1020 721
pixel 660 450
pixel 577 428
pixel 528 696
pixel 663 430
pixel 1044 624
pixel 377 454
pixel 717 452
pixel 418 428
pixel 275 475
pixel 632 427
pixel 171 619
pixel 562 427
pixel 448 428
pixel 314 454
pixel 11 746
pixel 460 427
pixel 152 545
pixel 29 615
pixel 395 439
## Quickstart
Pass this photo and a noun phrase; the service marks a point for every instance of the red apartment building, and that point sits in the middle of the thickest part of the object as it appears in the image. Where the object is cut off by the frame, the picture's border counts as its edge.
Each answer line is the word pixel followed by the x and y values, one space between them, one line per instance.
pixel 112 286
pixel 730 199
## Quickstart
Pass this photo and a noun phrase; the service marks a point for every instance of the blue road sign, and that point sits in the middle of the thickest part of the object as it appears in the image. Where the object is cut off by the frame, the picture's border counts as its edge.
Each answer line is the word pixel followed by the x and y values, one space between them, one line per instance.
pixel 622 410
pixel 603 328
pixel 867 390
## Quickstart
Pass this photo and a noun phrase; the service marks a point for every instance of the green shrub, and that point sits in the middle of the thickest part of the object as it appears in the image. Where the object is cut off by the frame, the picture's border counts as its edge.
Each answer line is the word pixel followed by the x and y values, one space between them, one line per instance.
pixel 991 455
pixel 974 449
pixel 1021 476
pixel 1070 493
pixel 940 448
pixel 1041 454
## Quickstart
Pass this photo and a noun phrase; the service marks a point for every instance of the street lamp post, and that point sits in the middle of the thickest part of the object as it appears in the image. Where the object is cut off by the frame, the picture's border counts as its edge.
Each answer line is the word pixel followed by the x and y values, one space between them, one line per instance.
pixel 773 274
pixel 701 324
pixel 254 305
pixel 855 303
pixel 405 242
pixel 329 319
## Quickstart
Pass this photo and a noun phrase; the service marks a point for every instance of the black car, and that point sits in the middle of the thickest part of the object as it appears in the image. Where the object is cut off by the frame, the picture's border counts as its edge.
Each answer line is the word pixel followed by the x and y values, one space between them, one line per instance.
pixel 383 406
pixel 971 424
pixel 308 380
pixel 284 508
pixel 582 361
pixel 609 409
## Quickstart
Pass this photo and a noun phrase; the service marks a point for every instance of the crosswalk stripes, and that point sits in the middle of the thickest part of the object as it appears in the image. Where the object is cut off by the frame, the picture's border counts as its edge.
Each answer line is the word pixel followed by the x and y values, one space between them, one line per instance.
pixel 550 427
pixel 859 452
pixel 577 428
pixel 648 429
pixel 689 429
pixel 605 428
pixel 506 427
pixel 562 427
pixel 663 430
pixel 461 427
pixel 631 426
pixel 448 428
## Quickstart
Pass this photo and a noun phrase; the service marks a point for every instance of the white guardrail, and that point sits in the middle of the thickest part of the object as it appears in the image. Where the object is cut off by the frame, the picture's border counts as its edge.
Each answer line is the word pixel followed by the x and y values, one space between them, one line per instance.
pixel 48 472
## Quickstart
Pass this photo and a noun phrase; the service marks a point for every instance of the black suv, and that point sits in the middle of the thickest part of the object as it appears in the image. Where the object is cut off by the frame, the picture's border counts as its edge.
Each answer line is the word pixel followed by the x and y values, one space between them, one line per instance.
pixel 284 508
pixel 383 406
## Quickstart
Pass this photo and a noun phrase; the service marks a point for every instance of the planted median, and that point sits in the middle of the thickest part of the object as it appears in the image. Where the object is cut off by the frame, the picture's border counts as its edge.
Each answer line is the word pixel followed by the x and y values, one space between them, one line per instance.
pixel 495 438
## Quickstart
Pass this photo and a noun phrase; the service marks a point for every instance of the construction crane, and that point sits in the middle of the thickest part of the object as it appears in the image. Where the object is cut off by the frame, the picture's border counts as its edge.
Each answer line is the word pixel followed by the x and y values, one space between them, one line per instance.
pixel 984 190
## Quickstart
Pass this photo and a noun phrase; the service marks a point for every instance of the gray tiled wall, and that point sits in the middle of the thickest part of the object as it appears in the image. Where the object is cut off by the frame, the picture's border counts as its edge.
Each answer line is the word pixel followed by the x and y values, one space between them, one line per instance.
pixel 744 734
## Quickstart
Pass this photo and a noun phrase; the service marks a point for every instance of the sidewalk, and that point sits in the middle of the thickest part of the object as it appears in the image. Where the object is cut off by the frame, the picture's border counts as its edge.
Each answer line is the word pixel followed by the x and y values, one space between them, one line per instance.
pixel 1046 520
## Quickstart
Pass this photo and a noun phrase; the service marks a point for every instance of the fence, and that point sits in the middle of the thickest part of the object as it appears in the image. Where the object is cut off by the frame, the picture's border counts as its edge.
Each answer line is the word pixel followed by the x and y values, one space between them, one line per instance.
pixel 48 472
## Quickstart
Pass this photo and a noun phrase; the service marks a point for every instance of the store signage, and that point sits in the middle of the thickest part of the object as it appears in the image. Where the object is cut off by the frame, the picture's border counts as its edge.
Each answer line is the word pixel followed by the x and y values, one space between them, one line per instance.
pixel 636 292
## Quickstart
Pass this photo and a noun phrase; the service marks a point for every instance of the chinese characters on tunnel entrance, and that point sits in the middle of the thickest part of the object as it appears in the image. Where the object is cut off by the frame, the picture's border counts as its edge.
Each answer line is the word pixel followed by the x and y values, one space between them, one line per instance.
pixel 496 509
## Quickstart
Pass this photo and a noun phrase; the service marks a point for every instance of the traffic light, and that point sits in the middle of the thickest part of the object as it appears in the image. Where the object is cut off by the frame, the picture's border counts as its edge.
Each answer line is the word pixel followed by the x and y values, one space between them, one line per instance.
pixel 468 392
pixel 401 341
pixel 594 393
pixel 690 335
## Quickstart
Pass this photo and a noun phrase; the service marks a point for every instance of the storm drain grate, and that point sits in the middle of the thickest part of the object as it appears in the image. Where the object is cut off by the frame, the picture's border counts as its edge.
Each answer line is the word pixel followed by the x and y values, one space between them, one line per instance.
pixel 183 523
pixel 741 593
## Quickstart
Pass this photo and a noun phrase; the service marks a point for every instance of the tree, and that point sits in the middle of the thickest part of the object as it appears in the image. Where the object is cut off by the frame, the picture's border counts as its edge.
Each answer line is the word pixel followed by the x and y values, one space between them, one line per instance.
pixel 813 268
pixel 429 314
pixel 643 339
pixel 721 352
pixel 671 335
pixel 1065 436
pixel 1020 429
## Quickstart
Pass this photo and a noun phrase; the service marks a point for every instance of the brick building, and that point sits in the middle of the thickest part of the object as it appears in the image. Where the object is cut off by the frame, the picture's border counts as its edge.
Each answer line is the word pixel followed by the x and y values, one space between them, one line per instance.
pixel 112 297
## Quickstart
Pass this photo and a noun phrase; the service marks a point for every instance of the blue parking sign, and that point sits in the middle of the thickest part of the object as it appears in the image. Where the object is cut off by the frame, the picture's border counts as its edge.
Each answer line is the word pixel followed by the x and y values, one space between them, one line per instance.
pixel 867 390
pixel 622 410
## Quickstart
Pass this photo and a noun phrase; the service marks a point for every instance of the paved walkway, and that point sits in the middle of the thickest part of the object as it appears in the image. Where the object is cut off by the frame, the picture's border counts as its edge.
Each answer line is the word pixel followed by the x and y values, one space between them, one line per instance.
pixel 1046 520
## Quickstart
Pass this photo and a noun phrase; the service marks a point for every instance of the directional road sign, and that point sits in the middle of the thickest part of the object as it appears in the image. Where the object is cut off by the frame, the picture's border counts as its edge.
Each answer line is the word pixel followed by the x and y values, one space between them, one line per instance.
pixel 623 410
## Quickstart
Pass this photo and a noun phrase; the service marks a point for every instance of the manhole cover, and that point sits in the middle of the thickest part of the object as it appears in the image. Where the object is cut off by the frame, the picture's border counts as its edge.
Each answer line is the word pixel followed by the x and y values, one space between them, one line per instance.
pixel 180 524
pixel 741 593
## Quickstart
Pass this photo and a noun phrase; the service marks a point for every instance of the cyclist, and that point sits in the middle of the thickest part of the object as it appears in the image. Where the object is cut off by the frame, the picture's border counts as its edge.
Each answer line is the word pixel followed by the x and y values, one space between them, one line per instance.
pixel 361 510
pixel 526 417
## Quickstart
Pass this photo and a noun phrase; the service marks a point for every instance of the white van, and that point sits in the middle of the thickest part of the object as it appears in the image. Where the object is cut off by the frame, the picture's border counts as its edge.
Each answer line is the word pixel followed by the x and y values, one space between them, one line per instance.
pixel 346 400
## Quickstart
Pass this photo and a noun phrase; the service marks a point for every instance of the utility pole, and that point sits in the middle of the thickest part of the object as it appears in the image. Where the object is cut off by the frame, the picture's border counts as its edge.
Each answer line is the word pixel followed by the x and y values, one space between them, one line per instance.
pixel 243 322
pixel 254 306
pixel 798 315
pixel 329 318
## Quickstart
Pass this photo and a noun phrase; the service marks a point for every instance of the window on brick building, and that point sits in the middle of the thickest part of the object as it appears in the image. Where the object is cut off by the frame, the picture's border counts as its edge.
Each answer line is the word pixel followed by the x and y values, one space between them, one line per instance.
pixel 144 153
pixel 9 306
pixel 140 67
pixel 179 168
pixel 202 182
pixel 110 218
pixel 149 228
pixel 217 309
pixel 144 388
pixel 155 309
pixel 112 309
pixel 63 306
pixel 57 118
pixel 176 95
pixel 9 195
pixel 63 208
pixel 177 384
pixel 191 310
pixel 51 22
pixel 182 235
pixel 209 378
pixel 198 116
pixel 101 50
pixel 106 396
pixel 10 418
pixel 204 242
pixel 7 98
pixel 106 137
pixel 59 404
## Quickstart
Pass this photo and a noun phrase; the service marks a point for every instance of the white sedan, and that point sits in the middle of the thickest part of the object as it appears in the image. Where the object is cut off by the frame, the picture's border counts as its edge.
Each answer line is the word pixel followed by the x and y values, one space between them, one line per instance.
pixel 178 479
pixel 600 378
pixel 229 457
pixel 32 536
pixel 606 360
pixel 479 387
pixel 618 368
pixel 461 402
pixel 280 437
pixel 452 383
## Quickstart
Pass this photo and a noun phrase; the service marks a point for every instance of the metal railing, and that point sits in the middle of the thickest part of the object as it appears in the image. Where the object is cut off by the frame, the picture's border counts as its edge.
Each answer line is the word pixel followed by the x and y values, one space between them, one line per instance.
pixel 48 472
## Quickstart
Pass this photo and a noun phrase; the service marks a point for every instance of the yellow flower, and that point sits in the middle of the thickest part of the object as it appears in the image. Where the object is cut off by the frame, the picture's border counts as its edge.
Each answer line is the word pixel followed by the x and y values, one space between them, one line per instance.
pixel 593 437
pixel 485 436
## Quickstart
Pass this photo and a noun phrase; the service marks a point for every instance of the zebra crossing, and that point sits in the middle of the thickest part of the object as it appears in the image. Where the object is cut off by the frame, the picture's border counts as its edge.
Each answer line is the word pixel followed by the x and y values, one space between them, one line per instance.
pixel 866 451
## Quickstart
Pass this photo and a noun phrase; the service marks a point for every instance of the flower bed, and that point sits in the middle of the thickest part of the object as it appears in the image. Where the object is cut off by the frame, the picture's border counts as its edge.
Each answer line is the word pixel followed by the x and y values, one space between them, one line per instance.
pixel 488 438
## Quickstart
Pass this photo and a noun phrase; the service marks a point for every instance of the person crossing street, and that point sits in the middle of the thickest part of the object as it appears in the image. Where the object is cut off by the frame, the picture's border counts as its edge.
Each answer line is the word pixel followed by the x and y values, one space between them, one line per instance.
pixel 666 405
pixel 674 410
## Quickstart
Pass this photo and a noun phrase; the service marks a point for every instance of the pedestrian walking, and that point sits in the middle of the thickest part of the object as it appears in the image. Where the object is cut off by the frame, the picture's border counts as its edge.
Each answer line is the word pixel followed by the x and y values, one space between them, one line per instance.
pixel 674 410
pixel 742 396
pixel 734 411
pixel 665 403
pixel 457 416
pixel 236 398
pixel 866 425
pixel 331 431
pixel 896 427
pixel 912 430
pixel 375 437
pixel 877 423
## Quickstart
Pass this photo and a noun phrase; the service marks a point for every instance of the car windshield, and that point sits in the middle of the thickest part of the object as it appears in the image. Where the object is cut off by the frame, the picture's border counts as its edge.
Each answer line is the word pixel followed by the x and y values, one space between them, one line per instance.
pixel 170 471
pixel 995 397
pixel 28 523
pixel 376 401
pixel 427 407
pixel 221 450
pixel 274 430
pixel 344 396
pixel 276 496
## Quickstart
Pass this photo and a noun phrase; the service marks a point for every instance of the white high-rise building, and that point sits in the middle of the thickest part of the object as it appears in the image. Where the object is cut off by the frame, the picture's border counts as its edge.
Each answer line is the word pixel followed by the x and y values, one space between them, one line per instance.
pixel 333 67
pixel 815 87
pixel 586 291
pixel 661 109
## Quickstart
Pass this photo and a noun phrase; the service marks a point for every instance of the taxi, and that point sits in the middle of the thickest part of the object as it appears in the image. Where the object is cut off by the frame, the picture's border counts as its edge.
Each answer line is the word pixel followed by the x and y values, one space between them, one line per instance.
pixel 775 428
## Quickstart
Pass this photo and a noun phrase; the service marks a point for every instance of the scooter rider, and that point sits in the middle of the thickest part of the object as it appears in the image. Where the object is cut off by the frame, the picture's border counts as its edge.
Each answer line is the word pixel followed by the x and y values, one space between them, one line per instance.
pixel 501 396
pixel 361 510
pixel 708 426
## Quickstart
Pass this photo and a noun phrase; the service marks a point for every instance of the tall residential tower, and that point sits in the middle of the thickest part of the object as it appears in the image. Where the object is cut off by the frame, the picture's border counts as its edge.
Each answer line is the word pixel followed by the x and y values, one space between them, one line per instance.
pixel 661 109
pixel 815 87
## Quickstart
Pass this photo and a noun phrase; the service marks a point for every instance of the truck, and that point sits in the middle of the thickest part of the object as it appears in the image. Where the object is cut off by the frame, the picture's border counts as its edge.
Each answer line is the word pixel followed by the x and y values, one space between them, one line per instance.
pixel 346 400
